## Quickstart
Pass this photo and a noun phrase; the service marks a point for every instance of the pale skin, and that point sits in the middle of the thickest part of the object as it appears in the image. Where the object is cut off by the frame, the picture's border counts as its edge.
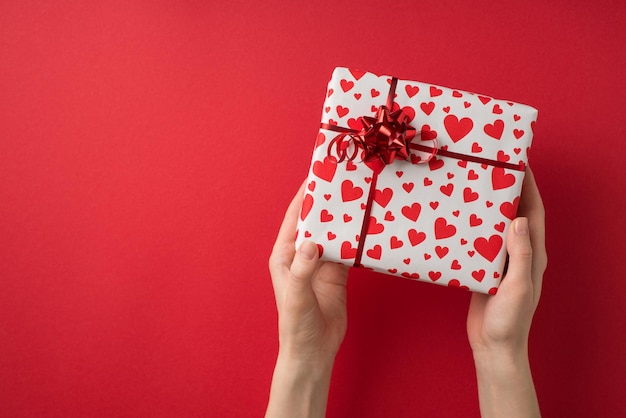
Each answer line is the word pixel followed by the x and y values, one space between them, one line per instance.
pixel 311 301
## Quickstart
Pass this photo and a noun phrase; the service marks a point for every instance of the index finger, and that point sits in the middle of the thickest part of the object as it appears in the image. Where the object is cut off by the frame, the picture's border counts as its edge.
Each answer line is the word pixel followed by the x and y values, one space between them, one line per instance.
pixel 284 247
pixel 531 206
pixel 287 230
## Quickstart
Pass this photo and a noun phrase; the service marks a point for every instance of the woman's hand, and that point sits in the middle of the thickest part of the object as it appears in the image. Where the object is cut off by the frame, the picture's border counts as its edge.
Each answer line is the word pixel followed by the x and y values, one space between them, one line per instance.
pixel 498 326
pixel 312 321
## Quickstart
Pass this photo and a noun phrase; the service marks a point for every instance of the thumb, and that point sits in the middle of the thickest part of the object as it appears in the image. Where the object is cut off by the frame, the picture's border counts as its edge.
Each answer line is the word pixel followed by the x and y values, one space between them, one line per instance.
pixel 302 269
pixel 520 252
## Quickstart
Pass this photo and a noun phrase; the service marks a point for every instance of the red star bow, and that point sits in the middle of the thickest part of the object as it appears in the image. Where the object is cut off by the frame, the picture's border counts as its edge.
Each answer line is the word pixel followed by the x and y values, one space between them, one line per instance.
pixel 382 139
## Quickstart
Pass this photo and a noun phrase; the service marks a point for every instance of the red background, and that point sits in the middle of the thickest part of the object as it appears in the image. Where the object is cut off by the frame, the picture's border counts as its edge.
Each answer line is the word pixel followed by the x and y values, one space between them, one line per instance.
pixel 148 151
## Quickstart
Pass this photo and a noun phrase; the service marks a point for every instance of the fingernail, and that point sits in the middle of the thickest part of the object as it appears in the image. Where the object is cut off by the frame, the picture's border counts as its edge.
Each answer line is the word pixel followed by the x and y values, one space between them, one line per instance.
pixel 307 250
pixel 521 226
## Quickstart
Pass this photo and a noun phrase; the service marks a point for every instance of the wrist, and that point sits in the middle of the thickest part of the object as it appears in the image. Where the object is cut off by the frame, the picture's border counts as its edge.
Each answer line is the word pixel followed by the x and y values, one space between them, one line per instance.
pixel 500 360
pixel 505 384
pixel 299 387
pixel 306 355
pixel 310 366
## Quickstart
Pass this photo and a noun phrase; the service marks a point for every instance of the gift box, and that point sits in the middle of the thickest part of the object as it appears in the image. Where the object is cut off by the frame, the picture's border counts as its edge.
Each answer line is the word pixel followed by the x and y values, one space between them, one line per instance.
pixel 416 180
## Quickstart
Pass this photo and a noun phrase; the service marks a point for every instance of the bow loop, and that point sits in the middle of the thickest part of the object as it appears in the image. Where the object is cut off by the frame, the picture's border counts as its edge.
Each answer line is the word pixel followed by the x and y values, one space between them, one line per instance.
pixel 382 139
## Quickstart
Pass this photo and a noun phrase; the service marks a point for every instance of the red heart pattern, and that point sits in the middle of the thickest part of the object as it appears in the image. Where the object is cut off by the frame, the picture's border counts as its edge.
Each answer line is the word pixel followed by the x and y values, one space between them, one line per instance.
pixel 375 252
pixel 395 242
pixel 501 179
pixel 415 237
pixel 427 107
pixel 325 216
pixel 443 229
pixel 349 191
pixel 325 169
pixel 347 250
pixel 495 129
pixel 457 128
pixel 307 205
pixel 443 222
pixel 509 209
pixel 488 248
pixel 375 227
pixel 382 197
pixel 412 212
pixel 346 85
pixel 411 90
pixel 469 195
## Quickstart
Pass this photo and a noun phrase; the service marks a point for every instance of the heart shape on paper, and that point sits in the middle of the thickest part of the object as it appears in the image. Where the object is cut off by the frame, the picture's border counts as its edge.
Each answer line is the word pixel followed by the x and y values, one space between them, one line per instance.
pixel 395 242
pixel 447 189
pixel 347 250
pixel 412 212
pixel 443 229
pixel 500 179
pixel 441 251
pixel 457 128
pixel 374 227
pixel 427 107
pixel 325 216
pixel 495 129
pixel 457 283
pixel 411 90
pixel 320 139
pixel 342 111
pixel 325 169
pixel 478 275
pixel 475 220
pixel 509 209
pixel 382 197
pixel 427 134
pixel 354 123
pixel 488 248
pixel 469 195
pixel 346 85
pixel 349 191
pixel 435 91
pixel 357 74
pixel 375 252
pixel 416 237
pixel 476 148
pixel 307 204
pixel 434 163
pixel 503 156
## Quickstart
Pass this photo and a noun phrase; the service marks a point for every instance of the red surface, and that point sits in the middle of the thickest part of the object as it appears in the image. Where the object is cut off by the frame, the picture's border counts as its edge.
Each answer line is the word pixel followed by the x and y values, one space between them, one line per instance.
pixel 148 151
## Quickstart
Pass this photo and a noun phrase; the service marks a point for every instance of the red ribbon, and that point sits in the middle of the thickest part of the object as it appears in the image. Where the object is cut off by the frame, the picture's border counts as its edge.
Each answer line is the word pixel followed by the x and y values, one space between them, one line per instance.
pixel 382 139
